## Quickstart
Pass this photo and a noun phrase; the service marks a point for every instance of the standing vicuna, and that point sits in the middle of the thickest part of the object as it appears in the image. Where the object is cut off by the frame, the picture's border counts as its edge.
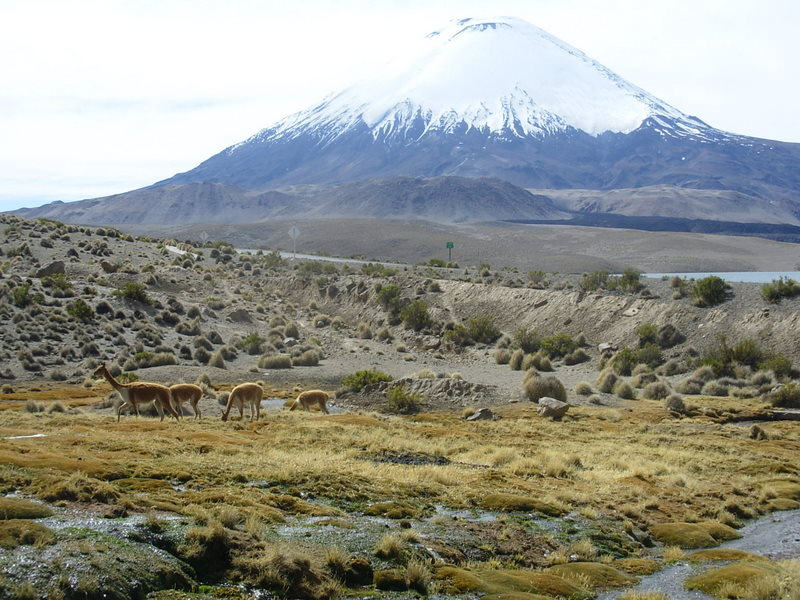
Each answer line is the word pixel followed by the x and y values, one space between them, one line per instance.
pixel 310 398
pixel 187 392
pixel 139 392
pixel 251 393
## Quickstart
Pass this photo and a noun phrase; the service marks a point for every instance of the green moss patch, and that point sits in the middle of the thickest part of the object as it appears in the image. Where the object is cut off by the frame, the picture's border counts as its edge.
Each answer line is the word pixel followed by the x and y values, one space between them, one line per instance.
pixel 725 554
pixel 507 581
pixel 390 580
pixel 515 503
pixel 17 508
pixel 737 574
pixel 595 574
pixel 22 532
pixel 693 535
pixel 638 566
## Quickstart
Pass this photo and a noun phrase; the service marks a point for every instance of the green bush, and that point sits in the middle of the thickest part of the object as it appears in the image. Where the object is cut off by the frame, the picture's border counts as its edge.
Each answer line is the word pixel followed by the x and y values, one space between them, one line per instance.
pixel 623 362
pixel 80 311
pixel 779 288
pixel 357 381
pixel 594 281
pixel 60 286
pixel 415 315
pixel 458 336
pixel 132 290
pixel 709 291
pixel 402 402
pixel 650 355
pixel 317 267
pixel 629 281
pixel 377 270
pixel 21 296
pixel 482 329
pixel 558 345
pixel 648 334
pixel 390 298
pixel 251 343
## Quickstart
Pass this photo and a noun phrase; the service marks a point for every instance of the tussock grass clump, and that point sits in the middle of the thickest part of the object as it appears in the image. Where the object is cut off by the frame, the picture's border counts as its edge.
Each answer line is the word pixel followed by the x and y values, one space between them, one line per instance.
pixel 714 388
pixel 657 390
pixel 641 379
pixel 606 381
pixel 593 574
pixel 515 503
pixel 17 508
pixel 738 577
pixel 624 390
pixel 502 356
pixel 79 487
pixel 536 387
pixel 357 381
pixel 515 361
pixel 309 358
pixel 507 583
pixel 22 532
pixel 583 388
pixel 786 396
pixel 275 361
pixel 578 356
pixel 689 386
pixel 693 535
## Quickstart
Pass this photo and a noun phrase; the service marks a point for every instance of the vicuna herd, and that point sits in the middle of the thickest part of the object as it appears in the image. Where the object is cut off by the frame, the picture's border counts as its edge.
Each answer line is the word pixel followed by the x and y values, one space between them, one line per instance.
pixel 170 398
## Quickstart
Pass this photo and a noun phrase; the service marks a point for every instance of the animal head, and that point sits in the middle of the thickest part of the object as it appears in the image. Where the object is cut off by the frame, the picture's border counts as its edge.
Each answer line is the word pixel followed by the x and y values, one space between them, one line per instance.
pixel 99 370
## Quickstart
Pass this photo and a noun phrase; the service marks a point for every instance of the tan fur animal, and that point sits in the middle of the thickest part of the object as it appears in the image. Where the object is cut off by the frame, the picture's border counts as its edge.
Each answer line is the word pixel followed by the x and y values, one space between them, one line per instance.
pixel 311 398
pixel 250 393
pixel 139 392
pixel 187 392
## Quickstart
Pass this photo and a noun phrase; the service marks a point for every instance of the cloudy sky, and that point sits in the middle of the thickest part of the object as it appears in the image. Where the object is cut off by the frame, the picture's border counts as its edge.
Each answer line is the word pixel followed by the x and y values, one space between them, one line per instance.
pixel 104 96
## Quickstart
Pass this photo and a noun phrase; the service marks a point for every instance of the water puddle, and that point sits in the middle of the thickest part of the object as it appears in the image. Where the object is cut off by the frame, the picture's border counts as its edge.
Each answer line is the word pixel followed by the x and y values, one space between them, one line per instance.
pixel 776 536
pixel 24 437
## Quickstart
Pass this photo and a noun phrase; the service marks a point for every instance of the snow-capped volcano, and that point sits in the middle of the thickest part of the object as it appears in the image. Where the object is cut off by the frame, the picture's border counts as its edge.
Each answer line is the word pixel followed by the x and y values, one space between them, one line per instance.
pixel 475 106
pixel 501 76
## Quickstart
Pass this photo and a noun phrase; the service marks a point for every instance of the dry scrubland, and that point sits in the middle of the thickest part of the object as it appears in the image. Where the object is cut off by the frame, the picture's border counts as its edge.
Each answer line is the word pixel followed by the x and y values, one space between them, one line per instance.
pixel 396 493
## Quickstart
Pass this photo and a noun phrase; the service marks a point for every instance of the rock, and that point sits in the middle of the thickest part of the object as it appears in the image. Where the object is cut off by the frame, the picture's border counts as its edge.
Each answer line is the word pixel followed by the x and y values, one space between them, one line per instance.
pixel 642 537
pixel 430 342
pixel 72 253
pixel 240 316
pixel 108 267
pixel 481 414
pixel 54 268
pixel 669 336
pixel 550 407
pixel 605 346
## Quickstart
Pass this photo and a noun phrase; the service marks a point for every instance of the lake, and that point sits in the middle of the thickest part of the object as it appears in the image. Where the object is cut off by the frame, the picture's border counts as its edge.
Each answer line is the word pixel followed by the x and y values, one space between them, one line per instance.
pixel 734 276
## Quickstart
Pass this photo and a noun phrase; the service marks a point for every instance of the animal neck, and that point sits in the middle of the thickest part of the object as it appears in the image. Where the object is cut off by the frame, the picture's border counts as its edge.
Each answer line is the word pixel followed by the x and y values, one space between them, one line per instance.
pixel 110 378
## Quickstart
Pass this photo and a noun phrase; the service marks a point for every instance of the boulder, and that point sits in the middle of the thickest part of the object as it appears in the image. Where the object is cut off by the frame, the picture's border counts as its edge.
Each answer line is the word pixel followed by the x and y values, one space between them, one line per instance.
pixel 108 266
pixel 481 414
pixel 54 268
pixel 550 407
pixel 240 316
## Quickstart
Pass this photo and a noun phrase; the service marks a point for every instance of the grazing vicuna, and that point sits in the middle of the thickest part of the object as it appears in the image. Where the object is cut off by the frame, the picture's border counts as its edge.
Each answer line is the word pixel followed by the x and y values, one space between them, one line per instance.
pixel 251 393
pixel 187 392
pixel 311 398
pixel 139 392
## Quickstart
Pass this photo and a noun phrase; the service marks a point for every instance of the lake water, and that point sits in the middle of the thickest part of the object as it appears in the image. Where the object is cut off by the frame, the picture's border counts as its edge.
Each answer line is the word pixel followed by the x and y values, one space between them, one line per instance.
pixel 734 276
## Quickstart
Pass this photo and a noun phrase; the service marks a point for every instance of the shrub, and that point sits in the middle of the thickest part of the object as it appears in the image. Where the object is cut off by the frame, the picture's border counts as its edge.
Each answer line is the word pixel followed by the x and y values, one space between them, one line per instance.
pixel 779 288
pixel 650 355
pixel 400 401
pixel 648 334
pixel 415 315
pixel 539 361
pixel 363 331
pixel 786 396
pixel 217 360
pixel 457 336
pixel 714 388
pixel 576 357
pixel 252 343
pixel 623 362
pixel 538 387
pixel 385 334
pixel 390 298
pixel 778 364
pixel 658 390
pixel 80 311
pixel 275 361
pixel 709 291
pixel 526 339
pixel 583 388
pixel 482 329
pixel 689 386
pixel 594 281
pixel 21 296
pixel 357 381
pixel 132 290
pixel 558 345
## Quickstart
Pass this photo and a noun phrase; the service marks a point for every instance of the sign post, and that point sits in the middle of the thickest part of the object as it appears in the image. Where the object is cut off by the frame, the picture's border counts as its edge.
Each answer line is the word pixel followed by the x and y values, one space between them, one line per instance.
pixel 294 232
pixel 450 246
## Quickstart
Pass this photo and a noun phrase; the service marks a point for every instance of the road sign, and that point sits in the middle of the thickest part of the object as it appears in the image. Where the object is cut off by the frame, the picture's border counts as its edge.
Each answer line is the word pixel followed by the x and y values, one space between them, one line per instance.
pixel 450 246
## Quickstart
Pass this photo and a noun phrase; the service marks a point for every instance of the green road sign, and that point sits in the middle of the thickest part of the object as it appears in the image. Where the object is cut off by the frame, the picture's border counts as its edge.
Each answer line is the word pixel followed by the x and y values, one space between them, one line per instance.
pixel 450 245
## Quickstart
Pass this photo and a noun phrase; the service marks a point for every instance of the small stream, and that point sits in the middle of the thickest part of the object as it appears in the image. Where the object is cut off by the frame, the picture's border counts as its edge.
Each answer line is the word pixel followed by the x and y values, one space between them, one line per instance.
pixel 775 536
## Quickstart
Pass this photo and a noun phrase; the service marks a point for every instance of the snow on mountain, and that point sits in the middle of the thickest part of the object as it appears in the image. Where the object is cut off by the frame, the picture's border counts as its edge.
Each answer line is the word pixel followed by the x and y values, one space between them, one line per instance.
pixel 501 76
